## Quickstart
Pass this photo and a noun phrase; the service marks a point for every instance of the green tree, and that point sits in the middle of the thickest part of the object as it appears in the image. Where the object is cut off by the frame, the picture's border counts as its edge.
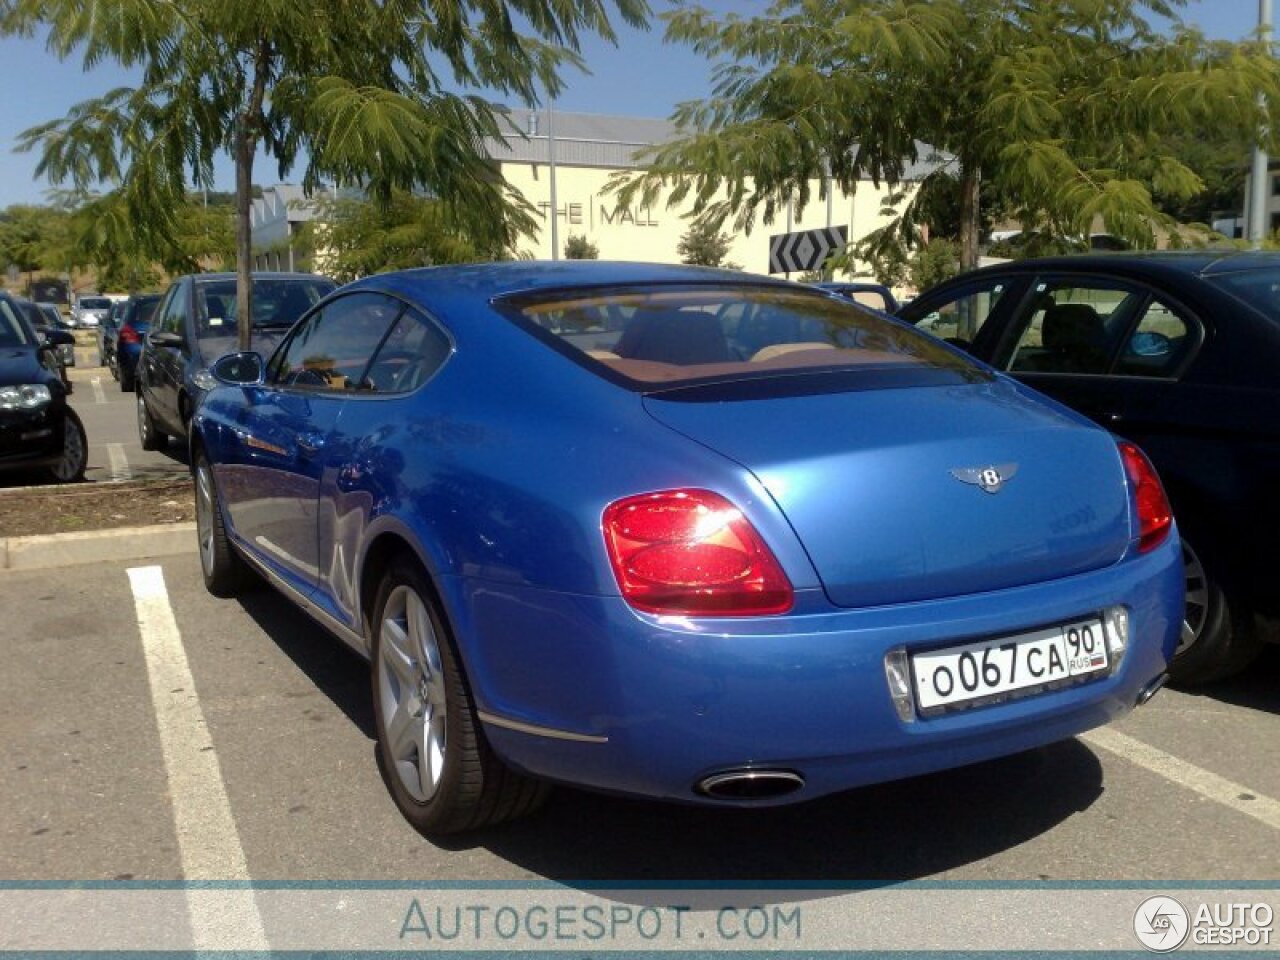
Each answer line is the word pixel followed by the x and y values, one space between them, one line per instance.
pixel 580 248
pixel 358 237
pixel 1062 108
pixel 934 262
pixel 34 237
pixel 358 91
pixel 704 245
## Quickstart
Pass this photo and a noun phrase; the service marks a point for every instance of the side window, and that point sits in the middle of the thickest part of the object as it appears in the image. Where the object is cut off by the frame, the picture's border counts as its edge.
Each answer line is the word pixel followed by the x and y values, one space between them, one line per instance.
pixel 413 350
pixel 960 319
pixel 1157 345
pixel 1073 327
pixel 330 350
pixel 174 309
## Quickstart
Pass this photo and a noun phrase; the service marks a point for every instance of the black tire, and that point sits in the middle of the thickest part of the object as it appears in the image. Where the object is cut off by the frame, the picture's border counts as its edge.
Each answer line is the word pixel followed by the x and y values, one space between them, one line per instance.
pixel 150 436
pixel 128 382
pixel 474 789
pixel 224 570
pixel 1220 636
pixel 75 451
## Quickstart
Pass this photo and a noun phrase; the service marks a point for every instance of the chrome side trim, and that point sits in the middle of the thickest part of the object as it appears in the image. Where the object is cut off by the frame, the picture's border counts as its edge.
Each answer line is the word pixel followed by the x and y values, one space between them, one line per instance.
pixel 537 731
pixel 348 636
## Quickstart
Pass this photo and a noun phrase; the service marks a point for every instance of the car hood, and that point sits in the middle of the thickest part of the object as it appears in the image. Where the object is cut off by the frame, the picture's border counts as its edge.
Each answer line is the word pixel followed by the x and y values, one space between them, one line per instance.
pixel 21 365
pixel 883 486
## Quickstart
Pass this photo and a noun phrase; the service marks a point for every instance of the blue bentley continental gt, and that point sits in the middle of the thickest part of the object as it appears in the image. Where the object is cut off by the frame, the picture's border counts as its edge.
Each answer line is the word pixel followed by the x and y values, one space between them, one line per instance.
pixel 680 533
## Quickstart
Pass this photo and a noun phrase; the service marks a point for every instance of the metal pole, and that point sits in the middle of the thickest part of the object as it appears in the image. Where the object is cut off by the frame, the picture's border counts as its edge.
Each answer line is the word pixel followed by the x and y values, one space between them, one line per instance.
pixel 551 170
pixel 1260 182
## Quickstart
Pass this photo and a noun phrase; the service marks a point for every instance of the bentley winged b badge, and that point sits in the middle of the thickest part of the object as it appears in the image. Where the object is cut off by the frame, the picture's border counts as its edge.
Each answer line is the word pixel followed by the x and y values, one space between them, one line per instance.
pixel 989 479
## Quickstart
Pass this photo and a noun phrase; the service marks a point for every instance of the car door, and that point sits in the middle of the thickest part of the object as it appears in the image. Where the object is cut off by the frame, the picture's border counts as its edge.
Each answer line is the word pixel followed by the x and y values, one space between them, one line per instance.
pixel 165 358
pixel 969 313
pixel 271 480
pixel 1110 348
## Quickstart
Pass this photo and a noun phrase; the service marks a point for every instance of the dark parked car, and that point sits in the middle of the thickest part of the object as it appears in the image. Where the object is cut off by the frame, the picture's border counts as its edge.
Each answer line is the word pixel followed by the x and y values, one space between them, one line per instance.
pixel 64 349
pixel 195 324
pixel 680 533
pixel 1180 353
pixel 107 331
pixel 128 337
pixel 38 429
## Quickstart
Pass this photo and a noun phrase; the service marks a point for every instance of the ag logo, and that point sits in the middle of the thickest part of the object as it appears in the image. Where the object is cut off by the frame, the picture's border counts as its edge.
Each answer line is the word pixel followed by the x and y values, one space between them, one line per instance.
pixel 989 479
pixel 1161 923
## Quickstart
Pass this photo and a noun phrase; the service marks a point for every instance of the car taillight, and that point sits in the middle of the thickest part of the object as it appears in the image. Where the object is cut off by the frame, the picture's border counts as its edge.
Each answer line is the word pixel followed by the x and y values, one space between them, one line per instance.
pixel 692 552
pixel 1155 516
pixel 128 335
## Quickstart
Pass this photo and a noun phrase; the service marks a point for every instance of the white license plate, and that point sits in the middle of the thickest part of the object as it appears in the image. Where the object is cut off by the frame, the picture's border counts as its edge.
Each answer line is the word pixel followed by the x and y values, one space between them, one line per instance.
pixel 992 667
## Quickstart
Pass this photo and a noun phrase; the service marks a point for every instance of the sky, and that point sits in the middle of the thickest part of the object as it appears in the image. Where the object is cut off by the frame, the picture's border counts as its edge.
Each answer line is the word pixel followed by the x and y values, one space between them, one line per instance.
pixel 641 76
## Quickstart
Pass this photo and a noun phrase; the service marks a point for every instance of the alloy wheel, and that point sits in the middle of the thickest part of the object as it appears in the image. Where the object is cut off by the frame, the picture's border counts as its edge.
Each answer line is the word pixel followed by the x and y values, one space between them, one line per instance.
pixel 71 462
pixel 412 693
pixel 1196 614
pixel 204 517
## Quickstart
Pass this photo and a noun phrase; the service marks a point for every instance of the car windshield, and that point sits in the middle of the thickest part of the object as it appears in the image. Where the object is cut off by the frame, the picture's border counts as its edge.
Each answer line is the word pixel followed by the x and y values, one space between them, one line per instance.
pixel 277 302
pixel 95 303
pixel 671 336
pixel 13 333
pixel 1258 288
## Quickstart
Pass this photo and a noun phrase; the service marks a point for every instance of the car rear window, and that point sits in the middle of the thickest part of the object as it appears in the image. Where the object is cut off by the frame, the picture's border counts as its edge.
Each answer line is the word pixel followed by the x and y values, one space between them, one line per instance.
pixel 665 336
pixel 95 303
pixel 144 310
pixel 277 302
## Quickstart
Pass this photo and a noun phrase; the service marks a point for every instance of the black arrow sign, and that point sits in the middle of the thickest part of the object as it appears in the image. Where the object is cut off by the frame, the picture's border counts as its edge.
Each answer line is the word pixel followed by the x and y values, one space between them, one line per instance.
pixel 805 249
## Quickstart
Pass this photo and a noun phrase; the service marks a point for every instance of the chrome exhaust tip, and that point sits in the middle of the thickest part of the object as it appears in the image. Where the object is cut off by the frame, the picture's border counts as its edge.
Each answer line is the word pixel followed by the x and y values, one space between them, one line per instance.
pixel 750 784
pixel 1151 689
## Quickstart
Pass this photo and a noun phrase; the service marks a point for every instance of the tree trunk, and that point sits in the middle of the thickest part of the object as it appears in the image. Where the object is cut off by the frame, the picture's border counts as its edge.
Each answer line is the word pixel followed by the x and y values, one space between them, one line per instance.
pixel 244 236
pixel 249 127
pixel 970 221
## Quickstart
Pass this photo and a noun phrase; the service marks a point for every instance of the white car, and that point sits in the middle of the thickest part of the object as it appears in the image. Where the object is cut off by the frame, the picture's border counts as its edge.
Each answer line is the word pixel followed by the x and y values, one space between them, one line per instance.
pixel 90 311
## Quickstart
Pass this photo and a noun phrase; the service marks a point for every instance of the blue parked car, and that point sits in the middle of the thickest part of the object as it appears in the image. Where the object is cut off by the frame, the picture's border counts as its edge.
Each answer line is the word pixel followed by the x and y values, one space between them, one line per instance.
pixel 680 533
pixel 122 341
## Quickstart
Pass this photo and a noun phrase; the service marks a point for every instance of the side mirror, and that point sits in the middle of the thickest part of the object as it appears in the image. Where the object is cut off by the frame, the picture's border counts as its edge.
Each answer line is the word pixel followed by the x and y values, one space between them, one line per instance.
pixel 239 369
pixel 58 338
pixel 164 338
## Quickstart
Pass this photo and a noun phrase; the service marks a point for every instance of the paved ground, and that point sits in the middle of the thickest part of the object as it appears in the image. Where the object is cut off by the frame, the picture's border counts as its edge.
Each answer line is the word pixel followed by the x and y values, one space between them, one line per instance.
pixel 234 738
pixel 109 418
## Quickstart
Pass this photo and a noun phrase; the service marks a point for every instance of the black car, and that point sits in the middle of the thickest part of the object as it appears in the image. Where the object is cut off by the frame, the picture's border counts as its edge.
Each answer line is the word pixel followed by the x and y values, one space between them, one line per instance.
pixel 194 325
pixel 42 324
pixel 107 330
pixel 1180 353
pixel 38 429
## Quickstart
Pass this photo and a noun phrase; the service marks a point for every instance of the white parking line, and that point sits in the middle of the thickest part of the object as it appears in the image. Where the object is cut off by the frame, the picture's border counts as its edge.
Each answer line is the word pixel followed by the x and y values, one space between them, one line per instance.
pixel 120 469
pixel 207 839
pixel 99 395
pixel 1237 796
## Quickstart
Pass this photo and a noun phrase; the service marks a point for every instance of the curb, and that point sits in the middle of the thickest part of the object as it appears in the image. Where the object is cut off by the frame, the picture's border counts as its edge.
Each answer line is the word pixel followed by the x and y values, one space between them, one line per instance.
pixel 48 551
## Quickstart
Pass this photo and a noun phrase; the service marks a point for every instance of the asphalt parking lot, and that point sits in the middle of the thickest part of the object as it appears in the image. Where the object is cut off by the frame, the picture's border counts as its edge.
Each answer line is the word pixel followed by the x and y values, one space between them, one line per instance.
pixel 201 738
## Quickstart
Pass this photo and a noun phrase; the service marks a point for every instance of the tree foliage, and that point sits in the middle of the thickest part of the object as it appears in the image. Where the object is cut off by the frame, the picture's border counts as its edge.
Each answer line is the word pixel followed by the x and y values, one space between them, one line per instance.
pixel 580 248
pixel 1062 108
pixel 355 91
pixel 34 237
pixel 355 236
pixel 704 245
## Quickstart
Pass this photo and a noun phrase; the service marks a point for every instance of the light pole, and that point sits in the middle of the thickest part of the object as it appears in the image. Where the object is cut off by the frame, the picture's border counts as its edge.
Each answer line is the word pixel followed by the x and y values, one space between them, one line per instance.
pixel 551 173
pixel 1260 182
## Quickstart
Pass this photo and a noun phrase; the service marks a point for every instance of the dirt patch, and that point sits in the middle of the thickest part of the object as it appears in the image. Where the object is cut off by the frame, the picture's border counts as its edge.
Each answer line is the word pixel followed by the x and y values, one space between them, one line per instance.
pixel 95 506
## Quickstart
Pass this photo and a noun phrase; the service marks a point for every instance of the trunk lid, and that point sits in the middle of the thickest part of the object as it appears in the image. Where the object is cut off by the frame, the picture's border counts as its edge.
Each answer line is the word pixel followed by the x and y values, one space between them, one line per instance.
pixel 883 486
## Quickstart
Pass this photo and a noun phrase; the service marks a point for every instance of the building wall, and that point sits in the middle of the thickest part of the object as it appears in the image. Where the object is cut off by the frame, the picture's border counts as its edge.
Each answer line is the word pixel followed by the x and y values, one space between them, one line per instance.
pixel 586 208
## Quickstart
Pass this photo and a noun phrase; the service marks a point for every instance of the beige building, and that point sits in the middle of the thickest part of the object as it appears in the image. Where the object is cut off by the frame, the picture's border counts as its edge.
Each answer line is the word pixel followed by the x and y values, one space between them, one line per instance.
pixel 571 180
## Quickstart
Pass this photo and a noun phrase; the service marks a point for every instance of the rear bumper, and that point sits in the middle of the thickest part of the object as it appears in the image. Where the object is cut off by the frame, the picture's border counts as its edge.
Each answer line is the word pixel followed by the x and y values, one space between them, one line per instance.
pixel 634 704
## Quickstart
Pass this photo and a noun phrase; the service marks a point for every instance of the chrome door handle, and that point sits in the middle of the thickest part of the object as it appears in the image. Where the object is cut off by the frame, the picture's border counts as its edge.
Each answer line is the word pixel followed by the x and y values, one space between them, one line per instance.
pixel 310 443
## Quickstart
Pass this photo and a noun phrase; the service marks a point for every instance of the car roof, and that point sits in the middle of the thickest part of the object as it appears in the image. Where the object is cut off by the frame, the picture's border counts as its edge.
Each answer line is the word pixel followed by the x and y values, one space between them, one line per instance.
pixel 255 275
pixel 489 280
pixel 1201 263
